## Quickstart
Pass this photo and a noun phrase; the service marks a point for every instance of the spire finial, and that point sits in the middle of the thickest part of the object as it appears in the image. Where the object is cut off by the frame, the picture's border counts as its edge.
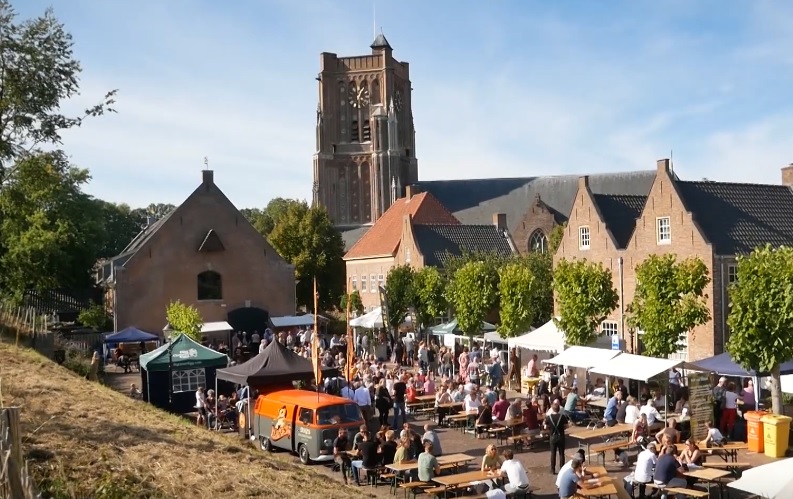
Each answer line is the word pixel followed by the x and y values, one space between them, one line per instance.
pixel 206 163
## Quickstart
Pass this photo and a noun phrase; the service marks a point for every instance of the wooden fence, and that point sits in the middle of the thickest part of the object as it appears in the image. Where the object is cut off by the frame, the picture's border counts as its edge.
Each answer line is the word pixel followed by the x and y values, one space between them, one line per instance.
pixel 15 481
pixel 23 326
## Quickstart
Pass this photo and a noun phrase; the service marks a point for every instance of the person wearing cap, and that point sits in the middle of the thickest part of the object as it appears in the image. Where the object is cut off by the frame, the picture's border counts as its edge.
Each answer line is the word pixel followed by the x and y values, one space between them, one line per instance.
pixel 645 464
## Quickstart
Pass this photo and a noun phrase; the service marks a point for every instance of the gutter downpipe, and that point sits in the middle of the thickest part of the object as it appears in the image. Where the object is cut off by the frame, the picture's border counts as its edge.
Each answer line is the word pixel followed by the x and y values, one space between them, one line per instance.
pixel 622 300
pixel 723 306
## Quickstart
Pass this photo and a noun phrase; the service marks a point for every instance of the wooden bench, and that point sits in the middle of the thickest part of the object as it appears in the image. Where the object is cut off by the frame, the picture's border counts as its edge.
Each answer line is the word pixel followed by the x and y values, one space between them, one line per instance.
pixel 498 432
pixel 700 494
pixel 621 492
pixel 518 441
pixel 727 466
pixel 601 449
pixel 413 487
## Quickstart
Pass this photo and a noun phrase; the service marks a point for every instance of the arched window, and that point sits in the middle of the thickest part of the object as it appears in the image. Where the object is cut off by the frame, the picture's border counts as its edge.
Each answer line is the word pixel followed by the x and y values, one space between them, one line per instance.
pixel 210 286
pixel 538 242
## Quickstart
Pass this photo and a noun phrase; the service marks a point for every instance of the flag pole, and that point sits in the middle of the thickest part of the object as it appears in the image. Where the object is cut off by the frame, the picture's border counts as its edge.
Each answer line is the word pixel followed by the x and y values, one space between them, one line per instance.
pixel 315 341
pixel 350 339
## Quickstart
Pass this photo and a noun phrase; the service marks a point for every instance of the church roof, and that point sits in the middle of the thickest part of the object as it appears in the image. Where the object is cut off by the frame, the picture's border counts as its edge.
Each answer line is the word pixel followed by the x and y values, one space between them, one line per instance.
pixel 439 243
pixel 382 239
pixel 380 42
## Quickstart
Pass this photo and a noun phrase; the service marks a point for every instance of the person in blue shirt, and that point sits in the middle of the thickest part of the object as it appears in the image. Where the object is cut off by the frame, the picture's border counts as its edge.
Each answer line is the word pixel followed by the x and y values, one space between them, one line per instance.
pixel 573 479
pixel 611 409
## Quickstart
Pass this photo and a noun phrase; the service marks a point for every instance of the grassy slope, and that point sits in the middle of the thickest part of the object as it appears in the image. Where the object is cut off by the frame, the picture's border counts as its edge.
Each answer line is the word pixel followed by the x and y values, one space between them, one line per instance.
pixel 87 440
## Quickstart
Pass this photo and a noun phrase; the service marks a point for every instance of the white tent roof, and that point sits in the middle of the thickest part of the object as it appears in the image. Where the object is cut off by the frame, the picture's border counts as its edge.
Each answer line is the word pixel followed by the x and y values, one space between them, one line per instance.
pixel 546 338
pixel 371 320
pixel 296 320
pixel 494 337
pixel 583 357
pixel 772 480
pixel 207 327
pixel 637 367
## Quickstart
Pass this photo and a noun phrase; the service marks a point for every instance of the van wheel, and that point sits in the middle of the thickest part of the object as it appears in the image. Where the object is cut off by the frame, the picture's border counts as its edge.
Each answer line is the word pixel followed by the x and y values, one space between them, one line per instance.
pixel 266 445
pixel 302 451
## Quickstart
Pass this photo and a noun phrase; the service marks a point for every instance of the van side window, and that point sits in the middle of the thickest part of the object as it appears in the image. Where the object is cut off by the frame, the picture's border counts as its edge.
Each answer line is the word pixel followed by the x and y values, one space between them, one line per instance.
pixel 306 416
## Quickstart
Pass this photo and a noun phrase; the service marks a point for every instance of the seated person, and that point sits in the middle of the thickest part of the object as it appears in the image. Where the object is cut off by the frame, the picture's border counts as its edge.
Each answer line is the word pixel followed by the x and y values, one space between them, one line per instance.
pixel 668 470
pixel 691 456
pixel 654 418
pixel 580 454
pixel 714 438
pixel 573 479
pixel 571 407
pixel 645 463
pixel 428 466
pixel 670 431
pixel 484 420
pixel 531 417
pixel 368 454
pixel 514 471
pixel 501 407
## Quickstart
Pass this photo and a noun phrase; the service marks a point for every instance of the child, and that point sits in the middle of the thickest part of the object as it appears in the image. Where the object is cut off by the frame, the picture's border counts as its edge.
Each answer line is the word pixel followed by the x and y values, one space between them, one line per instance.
pixel 714 438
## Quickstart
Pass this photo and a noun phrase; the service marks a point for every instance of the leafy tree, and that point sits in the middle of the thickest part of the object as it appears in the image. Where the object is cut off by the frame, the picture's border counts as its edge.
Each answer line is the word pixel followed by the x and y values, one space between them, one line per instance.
pixel 669 301
pixel 398 295
pixel 525 293
pixel 157 210
pixel 265 220
pixel 38 72
pixel 119 226
pixel 428 294
pixel 473 293
pixel 184 319
pixel 48 228
pixel 96 317
pixel 761 314
pixel 356 305
pixel 555 238
pixel 492 260
pixel 306 238
pixel 586 296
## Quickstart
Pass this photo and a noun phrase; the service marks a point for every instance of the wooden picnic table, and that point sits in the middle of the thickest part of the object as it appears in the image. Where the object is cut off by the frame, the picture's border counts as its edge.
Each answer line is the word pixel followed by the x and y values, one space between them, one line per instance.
pixel 442 460
pixel 709 476
pixel 598 402
pixel 600 470
pixel 425 398
pixel 603 433
pixel 606 487
pixel 463 478
pixel 728 452
pixel 451 405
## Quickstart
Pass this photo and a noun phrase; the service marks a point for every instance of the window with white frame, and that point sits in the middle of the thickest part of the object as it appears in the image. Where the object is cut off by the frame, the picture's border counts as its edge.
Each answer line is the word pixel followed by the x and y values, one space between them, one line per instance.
pixel 373 283
pixel 609 328
pixel 188 380
pixel 682 349
pixel 354 283
pixel 363 283
pixel 583 237
pixel 732 274
pixel 663 229
pixel 380 281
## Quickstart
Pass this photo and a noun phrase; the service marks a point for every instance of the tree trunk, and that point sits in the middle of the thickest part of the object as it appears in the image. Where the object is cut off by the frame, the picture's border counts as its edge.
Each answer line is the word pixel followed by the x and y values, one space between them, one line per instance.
pixel 776 391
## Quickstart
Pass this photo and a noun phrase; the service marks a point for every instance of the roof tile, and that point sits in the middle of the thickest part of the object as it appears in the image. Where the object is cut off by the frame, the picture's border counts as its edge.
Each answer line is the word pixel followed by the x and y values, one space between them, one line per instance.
pixel 619 213
pixel 438 243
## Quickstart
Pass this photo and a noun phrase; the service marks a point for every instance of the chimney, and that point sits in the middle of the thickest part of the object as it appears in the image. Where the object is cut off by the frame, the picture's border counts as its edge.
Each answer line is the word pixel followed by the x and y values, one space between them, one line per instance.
pixel 787 175
pixel 208 176
pixel 663 165
pixel 411 190
pixel 500 221
pixel 583 182
pixel 150 221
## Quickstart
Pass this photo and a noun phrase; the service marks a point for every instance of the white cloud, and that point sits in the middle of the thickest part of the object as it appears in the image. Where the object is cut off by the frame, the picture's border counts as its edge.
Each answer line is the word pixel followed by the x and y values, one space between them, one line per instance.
pixel 560 95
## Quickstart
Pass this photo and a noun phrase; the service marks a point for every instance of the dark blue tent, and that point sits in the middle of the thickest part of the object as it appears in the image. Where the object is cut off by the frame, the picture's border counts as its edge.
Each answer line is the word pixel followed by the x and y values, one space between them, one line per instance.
pixel 131 335
pixel 724 365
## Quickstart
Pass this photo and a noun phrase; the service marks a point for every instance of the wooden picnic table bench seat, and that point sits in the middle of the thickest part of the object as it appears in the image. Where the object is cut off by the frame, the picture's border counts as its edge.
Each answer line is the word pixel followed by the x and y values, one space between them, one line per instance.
pixel 607 446
pixel 414 487
pixel 620 488
pixel 519 441
pixel 700 494
pixel 727 466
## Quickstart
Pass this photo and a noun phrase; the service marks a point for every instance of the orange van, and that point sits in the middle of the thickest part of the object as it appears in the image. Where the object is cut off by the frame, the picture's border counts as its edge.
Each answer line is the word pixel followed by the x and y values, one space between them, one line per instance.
pixel 304 422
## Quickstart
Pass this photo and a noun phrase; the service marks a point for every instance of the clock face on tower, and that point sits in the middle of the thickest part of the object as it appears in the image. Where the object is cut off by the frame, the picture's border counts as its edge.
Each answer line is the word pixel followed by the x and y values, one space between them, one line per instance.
pixel 359 97
pixel 398 100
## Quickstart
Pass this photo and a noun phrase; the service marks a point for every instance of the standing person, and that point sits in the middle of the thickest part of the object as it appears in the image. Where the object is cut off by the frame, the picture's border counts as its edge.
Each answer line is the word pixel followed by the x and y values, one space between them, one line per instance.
pixel 718 400
pixel 400 389
pixel 93 371
pixel 730 410
pixel 340 454
pixel 555 424
pixel 364 400
pixel 201 405
pixel 514 368
pixel 383 402
pixel 496 373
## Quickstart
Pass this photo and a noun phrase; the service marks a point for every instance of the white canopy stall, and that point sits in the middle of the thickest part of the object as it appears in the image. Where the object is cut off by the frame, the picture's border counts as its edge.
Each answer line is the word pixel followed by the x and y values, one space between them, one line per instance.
pixel 772 480
pixel 370 320
pixel 296 320
pixel 636 367
pixel 546 338
pixel 219 330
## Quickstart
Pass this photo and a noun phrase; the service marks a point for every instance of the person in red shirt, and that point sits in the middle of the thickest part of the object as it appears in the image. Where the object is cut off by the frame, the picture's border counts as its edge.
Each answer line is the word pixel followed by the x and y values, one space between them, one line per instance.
pixel 501 407
pixel 530 416
pixel 411 391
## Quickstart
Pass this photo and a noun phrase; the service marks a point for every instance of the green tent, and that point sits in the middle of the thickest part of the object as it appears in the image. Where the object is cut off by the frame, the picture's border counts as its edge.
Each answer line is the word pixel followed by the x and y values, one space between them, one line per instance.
pixel 185 354
pixel 451 328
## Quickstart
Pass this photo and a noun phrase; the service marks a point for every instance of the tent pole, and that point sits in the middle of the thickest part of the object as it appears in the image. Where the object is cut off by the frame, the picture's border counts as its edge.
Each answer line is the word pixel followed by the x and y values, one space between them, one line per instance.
pixel 248 422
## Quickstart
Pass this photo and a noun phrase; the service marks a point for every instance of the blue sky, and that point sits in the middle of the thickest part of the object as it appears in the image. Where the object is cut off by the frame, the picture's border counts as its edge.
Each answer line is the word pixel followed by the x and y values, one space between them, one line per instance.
pixel 501 88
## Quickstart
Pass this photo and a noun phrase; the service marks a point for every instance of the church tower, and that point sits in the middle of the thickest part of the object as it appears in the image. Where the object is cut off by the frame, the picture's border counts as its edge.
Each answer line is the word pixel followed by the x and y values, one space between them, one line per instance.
pixel 365 152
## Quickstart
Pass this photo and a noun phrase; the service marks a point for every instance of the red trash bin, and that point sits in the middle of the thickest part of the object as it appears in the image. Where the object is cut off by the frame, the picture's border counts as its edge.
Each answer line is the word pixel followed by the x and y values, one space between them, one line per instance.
pixel 754 430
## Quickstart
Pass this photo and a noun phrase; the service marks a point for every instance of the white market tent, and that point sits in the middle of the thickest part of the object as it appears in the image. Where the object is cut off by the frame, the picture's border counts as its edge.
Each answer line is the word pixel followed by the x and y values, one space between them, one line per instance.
pixel 371 320
pixel 207 327
pixel 546 338
pixel 494 337
pixel 636 367
pixel 583 357
pixel 452 327
pixel 772 481
pixel 296 320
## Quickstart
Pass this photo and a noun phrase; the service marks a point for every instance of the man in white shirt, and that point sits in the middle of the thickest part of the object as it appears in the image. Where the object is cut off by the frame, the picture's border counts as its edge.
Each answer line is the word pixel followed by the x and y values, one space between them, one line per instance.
pixel 514 471
pixel 347 392
pixel 645 463
pixel 364 401
pixel 654 419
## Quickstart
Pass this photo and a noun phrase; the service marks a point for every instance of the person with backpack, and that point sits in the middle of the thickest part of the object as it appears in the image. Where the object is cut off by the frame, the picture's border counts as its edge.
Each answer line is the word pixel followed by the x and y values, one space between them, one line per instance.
pixel 555 424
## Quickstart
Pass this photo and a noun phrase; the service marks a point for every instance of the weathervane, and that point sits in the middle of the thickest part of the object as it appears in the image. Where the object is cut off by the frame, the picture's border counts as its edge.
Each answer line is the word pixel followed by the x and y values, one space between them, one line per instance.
pixel 206 162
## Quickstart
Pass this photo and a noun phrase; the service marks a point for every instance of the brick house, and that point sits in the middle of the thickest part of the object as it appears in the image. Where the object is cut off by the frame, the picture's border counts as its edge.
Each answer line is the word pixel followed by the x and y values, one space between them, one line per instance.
pixel 419 231
pixel 204 253
pixel 715 221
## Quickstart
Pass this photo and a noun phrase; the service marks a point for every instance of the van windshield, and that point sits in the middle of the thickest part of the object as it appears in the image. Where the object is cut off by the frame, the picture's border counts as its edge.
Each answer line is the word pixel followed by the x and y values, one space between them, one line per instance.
pixel 339 414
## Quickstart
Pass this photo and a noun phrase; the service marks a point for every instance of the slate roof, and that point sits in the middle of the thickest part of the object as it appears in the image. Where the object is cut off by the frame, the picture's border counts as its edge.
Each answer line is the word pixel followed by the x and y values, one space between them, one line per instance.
pixel 475 201
pixel 620 212
pixel 384 236
pixel 137 243
pixel 737 218
pixel 380 42
pixel 440 242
